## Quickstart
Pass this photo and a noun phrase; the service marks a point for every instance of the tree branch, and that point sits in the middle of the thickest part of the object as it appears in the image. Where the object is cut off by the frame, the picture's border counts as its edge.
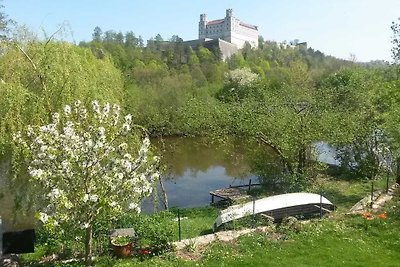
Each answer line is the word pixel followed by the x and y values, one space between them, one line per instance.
pixel 35 68
pixel 264 139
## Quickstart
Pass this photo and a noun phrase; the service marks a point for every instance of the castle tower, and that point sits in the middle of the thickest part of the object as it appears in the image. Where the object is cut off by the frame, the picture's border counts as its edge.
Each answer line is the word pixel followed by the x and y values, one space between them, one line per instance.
pixel 229 21
pixel 203 26
pixel 229 13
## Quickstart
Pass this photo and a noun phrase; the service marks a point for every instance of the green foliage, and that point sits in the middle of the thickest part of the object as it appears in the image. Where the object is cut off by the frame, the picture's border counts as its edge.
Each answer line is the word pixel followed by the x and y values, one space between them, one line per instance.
pixel 154 231
pixel 121 240
pixel 38 79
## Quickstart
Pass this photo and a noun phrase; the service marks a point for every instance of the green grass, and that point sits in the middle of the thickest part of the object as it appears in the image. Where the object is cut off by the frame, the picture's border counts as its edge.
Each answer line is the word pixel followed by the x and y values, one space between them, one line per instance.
pixel 337 240
pixel 195 221
pixel 350 241
pixel 322 243
pixel 344 194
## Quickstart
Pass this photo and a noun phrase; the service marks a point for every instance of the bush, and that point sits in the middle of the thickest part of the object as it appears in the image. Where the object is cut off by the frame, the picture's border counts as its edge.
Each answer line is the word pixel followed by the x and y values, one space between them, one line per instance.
pixel 155 231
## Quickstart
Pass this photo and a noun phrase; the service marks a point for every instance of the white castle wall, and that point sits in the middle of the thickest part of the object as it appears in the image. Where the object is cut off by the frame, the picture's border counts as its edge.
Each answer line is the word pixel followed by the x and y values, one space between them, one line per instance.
pixel 229 29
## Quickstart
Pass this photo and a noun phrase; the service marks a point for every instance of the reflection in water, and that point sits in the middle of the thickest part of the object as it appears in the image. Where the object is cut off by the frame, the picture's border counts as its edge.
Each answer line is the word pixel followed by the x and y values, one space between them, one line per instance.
pixel 326 154
pixel 10 221
pixel 196 166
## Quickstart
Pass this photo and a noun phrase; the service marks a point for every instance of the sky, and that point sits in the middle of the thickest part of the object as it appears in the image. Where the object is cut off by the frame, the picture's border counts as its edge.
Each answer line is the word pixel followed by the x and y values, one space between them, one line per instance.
pixel 340 28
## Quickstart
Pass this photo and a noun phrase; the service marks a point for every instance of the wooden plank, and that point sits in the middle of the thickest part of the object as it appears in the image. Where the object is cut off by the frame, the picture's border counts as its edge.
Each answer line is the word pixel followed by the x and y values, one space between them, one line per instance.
pixel 229 193
pixel 318 206
pixel 244 185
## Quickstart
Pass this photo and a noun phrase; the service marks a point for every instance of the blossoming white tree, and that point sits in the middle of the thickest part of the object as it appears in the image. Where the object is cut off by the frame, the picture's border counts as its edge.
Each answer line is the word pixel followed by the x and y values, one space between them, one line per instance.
pixel 89 163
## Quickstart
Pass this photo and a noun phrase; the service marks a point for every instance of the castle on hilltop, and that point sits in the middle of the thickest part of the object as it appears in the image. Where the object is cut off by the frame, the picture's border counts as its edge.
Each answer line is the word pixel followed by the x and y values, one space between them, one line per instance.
pixel 229 29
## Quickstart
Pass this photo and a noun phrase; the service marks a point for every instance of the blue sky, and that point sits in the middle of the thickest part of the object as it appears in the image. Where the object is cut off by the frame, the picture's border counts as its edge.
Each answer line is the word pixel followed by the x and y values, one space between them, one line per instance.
pixel 335 27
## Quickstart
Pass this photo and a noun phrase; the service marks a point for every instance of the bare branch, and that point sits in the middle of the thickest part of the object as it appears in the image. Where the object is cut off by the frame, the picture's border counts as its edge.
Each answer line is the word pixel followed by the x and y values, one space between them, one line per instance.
pixel 264 139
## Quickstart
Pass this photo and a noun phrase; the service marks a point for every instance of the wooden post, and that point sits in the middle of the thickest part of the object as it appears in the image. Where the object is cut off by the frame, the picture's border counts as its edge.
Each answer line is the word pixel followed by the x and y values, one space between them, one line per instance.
pixel 249 185
pixel 387 181
pixel 212 198
pixel 179 226
pixel 320 205
pixel 254 212
pixel 372 193
pixel 1 237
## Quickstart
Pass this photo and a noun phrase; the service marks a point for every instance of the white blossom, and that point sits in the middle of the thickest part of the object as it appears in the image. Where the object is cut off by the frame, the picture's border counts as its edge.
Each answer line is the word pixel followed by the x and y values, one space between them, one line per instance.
pixel 93 198
pixel 127 166
pixel 17 136
pixel 29 131
pixel 43 217
pixel 102 131
pixel 37 173
pixel 96 107
pixel 125 128
pixel 155 176
pixel 55 193
pixel 84 225
pixel 128 118
pixel 56 118
pixel 134 206
pixel 67 110
pixel 106 109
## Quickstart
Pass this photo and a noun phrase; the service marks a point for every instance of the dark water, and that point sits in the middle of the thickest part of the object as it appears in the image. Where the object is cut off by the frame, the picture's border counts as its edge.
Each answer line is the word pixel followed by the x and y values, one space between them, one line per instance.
pixel 196 166
pixel 10 219
pixel 326 153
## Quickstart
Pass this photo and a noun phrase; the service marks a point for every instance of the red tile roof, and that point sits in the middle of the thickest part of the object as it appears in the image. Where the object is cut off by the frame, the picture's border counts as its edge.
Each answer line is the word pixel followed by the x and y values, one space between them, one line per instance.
pixel 217 21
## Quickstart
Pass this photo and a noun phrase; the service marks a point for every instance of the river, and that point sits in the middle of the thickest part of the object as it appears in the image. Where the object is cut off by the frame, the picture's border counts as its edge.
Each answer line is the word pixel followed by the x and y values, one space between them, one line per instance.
pixel 196 166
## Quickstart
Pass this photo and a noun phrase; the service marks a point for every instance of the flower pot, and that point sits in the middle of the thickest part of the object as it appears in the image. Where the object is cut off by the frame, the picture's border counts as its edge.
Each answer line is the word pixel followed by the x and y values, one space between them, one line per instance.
pixel 122 251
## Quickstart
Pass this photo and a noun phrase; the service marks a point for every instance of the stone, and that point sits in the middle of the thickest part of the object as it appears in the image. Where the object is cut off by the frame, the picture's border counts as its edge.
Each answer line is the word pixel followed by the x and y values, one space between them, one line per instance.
pixel 10 260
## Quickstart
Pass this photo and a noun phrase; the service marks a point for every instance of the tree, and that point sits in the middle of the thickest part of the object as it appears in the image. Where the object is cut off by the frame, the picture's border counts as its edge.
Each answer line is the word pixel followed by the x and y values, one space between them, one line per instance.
pixel 119 38
pixel 4 24
pixel 140 41
pixel 97 35
pixel 286 119
pixel 396 41
pixel 239 84
pixel 38 79
pixel 158 38
pixel 131 40
pixel 88 165
pixel 176 39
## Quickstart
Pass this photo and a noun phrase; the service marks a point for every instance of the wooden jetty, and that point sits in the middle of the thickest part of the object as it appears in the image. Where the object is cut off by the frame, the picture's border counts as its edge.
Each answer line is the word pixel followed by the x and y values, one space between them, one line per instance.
pixel 233 193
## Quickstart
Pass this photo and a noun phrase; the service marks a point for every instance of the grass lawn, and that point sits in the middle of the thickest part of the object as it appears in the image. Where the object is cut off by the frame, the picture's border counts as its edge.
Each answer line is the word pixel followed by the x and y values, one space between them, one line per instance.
pixel 337 240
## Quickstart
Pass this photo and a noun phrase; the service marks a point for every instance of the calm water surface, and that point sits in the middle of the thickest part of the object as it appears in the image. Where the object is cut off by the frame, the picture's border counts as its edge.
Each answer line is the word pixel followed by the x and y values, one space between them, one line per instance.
pixel 196 166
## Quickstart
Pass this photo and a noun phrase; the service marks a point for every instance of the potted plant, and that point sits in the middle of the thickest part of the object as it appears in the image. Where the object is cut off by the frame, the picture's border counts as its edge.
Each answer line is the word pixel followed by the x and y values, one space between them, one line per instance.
pixel 122 245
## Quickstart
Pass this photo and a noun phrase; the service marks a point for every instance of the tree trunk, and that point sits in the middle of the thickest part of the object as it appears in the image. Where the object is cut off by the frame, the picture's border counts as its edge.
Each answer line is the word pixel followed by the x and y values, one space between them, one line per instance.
pixel 263 138
pixel 302 160
pixel 164 193
pixel 88 245
pixel 398 170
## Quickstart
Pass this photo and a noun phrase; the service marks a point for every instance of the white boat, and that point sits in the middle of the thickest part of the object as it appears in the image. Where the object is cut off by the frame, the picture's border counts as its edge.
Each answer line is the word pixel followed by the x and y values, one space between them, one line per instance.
pixel 277 207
